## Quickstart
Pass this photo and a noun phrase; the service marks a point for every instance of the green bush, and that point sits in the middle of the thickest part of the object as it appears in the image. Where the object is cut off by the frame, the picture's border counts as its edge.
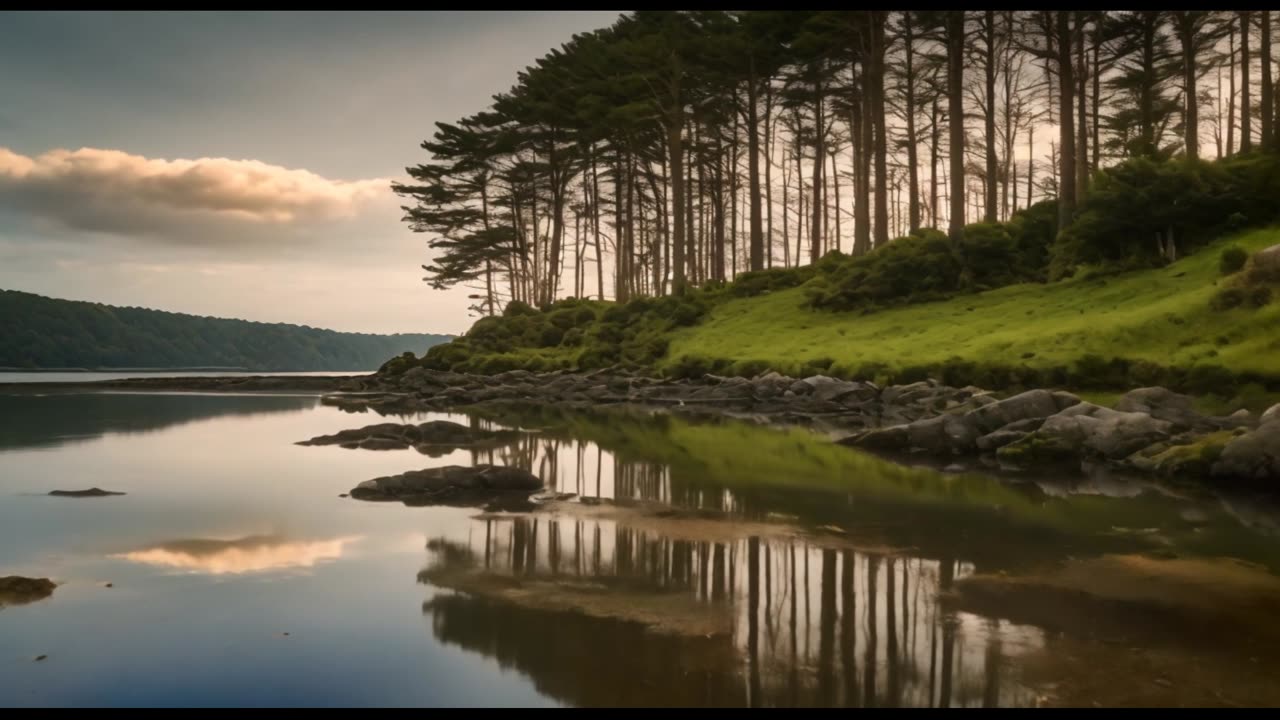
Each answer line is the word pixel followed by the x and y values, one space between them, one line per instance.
pixel 1127 205
pixel 1259 296
pixel 1233 260
pixel 1228 298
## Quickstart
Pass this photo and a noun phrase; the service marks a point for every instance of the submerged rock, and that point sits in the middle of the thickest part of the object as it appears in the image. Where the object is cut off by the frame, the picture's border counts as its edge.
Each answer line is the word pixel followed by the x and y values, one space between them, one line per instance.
pixel 451 485
pixel 91 492
pixel 426 437
pixel 18 590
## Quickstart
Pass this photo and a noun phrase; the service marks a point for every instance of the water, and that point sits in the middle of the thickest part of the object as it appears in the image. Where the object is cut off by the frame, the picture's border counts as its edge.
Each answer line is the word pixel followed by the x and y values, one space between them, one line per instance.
pixel 8 376
pixel 783 571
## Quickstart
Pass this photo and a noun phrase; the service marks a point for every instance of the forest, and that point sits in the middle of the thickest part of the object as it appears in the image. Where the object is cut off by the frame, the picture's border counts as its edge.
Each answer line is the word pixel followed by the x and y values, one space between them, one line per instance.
pixel 39 333
pixel 682 149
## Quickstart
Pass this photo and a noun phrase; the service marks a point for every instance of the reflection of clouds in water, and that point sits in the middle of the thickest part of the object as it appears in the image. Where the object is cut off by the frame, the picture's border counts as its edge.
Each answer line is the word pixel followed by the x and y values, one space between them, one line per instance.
pixel 244 555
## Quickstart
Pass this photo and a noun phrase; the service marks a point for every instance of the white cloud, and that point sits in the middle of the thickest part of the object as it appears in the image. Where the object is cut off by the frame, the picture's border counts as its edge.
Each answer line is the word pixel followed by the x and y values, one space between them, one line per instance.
pixel 181 201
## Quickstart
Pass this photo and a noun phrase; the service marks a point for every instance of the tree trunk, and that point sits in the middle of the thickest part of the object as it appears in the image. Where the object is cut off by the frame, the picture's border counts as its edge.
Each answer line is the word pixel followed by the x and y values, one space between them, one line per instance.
pixel 753 169
pixel 1231 96
pixel 955 90
pixel 989 214
pixel 1246 133
pixel 1082 132
pixel 935 134
pixel 913 176
pixel 675 159
pixel 1268 108
pixel 819 160
pixel 1191 108
pixel 1067 139
pixel 863 137
pixel 878 118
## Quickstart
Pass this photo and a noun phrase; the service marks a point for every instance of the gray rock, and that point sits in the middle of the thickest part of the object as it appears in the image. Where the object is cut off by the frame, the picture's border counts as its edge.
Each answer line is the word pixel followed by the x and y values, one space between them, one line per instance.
pixel 888 438
pixel 999 438
pixel 450 485
pixel 1162 404
pixel 1270 415
pixel 955 433
pixel 1252 456
pixel 91 492
pixel 1030 404
pixel 1096 430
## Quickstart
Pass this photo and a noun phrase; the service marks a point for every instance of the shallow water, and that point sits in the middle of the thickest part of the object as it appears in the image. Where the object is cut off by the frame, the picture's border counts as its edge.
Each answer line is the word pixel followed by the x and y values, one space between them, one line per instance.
pixel 18 376
pixel 790 571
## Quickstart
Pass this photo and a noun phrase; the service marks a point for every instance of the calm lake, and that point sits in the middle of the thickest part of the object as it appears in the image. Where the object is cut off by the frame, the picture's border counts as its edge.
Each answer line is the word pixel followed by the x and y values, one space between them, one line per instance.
pixel 786 570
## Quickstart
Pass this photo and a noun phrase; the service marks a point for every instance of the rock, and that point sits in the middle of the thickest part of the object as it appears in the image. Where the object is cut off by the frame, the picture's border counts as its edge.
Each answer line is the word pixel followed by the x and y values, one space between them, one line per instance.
pixel 954 433
pixel 450 485
pixel 999 438
pixel 1252 455
pixel 1161 404
pixel 91 492
pixel 1093 430
pixel 1032 404
pixel 18 590
pixel 890 438
pixel 425 437
pixel 1186 456
pixel 1270 415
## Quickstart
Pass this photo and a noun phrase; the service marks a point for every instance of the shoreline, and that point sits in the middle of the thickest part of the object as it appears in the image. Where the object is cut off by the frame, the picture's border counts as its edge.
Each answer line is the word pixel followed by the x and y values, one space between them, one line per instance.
pixel 1151 431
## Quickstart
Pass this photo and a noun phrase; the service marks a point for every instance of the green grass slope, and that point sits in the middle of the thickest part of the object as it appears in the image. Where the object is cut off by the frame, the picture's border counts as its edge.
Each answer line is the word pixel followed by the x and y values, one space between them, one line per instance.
pixel 1155 319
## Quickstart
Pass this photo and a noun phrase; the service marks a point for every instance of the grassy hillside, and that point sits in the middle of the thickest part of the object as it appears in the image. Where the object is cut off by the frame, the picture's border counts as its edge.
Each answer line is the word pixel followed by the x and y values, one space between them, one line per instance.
pixel 41 332
pixel 1159 317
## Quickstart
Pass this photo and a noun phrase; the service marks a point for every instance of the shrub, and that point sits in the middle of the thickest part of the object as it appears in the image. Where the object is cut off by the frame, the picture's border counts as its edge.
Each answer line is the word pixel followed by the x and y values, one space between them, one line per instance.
pixel 690 366
pixel 1259 296
pixel 1228 298
pixel 1233 260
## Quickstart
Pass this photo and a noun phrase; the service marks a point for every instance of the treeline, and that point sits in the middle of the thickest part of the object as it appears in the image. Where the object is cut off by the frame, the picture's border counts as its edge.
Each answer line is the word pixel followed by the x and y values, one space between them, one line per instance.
pixel 41 332
pixel 680 148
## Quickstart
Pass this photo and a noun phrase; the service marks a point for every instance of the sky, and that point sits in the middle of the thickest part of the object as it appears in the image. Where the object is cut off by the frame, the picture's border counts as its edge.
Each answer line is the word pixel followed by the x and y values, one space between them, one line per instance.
pixel 239 164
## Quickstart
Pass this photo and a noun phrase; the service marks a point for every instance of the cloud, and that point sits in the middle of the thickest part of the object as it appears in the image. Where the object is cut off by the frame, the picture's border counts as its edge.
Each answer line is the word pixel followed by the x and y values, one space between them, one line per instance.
pixel 178 201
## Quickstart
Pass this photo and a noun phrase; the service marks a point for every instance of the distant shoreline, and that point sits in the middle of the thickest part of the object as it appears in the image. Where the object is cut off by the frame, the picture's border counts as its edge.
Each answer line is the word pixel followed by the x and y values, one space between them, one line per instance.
pixel 201 368
pixel 239 383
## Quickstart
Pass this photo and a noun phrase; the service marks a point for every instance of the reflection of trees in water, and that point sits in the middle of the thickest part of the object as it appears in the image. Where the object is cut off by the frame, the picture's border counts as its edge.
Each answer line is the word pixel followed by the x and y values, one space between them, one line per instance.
pixel 586 469
pixel 811 626
pixel 58 419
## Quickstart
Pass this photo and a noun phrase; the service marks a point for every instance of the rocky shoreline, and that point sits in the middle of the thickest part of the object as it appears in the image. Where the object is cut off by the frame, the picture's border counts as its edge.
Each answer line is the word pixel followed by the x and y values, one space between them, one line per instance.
pixel 1150 430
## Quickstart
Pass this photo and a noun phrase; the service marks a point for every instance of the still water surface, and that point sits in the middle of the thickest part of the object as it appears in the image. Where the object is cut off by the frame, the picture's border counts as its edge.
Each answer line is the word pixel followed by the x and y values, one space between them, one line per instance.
pixel 789 571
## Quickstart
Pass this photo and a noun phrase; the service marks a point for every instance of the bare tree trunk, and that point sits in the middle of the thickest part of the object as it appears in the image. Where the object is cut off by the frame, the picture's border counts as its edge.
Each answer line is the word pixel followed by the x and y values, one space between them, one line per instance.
pixel 768 175
pixel 878 118
pixel 1082 132
pixel 955 90
pixel 1246 132
pixel 1231 101
pixel 989 31
pixel 753 168
pixel 934 137
pixel 1067 139
pixel 913 178
pixel 819 160
pixel 1268 107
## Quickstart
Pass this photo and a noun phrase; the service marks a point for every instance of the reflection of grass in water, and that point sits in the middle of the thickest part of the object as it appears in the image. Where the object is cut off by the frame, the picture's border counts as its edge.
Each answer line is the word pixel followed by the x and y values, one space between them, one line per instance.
pixel 793 470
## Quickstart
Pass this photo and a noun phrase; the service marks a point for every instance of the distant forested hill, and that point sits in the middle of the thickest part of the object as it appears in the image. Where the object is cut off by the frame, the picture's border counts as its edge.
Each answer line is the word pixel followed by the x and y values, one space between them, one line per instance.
pixel 41 332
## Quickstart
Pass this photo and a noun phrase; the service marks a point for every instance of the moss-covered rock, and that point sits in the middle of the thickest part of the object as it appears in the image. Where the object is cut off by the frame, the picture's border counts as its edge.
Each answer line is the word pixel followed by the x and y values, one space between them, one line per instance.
pixel 1039 449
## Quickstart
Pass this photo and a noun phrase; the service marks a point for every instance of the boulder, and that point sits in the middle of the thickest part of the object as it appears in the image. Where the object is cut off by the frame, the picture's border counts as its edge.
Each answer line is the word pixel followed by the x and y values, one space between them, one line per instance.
pixel 1252 455
pixel 450 485
pixel 91 492
pixel 1162 404
pixel 954 433
pixel 18 590
pixel 1032 404
pixel 1088 430
pixel 889 438
pixel 432 435
pixel 999 438
pixel 1271 414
